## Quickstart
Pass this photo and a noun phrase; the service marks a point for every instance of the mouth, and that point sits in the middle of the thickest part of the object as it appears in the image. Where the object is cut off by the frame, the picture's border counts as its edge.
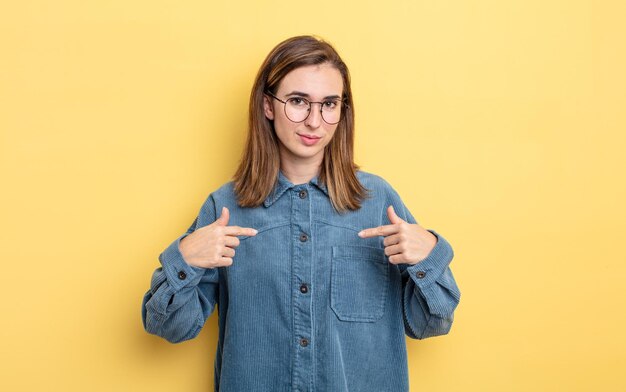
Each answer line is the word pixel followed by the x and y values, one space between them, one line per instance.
pixel 308 140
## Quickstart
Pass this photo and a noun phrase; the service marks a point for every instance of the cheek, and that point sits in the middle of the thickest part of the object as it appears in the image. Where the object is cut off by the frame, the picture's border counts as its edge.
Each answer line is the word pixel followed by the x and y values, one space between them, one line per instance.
pixel 283 129
pixel 331 132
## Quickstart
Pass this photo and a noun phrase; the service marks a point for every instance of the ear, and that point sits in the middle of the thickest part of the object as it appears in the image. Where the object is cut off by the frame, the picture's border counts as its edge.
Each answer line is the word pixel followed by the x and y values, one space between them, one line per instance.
pixel 267 108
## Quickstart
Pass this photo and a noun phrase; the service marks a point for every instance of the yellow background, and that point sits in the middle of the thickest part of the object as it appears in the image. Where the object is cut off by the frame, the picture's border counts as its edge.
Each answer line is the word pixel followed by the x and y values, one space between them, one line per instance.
pixel 500 123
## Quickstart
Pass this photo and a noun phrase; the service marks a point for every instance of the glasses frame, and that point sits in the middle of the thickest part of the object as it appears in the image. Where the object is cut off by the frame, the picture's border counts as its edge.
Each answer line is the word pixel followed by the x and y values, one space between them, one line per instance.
pixel 341 102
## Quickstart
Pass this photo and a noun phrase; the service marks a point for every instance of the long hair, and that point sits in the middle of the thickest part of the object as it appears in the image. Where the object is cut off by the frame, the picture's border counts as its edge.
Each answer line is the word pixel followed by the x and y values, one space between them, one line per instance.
pixel 258 169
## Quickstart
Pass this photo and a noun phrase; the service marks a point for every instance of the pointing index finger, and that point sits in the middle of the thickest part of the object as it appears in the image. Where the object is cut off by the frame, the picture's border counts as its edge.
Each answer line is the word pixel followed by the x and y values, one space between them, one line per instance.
pixel 239 231
pixel 378 231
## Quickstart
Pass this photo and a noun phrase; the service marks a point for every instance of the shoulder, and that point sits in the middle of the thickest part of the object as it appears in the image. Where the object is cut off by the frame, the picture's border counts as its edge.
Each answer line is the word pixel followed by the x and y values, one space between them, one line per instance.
pixel 375 184
pixel 227 190
pixel 380 190
pixel 224 196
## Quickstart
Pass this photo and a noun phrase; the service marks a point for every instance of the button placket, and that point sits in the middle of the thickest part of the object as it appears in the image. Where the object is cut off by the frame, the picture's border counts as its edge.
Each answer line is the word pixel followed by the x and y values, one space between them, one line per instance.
pixel 301 268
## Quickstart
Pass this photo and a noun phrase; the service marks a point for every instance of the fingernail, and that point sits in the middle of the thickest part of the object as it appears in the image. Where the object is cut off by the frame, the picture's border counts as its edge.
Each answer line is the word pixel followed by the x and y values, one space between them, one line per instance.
pixel 254 231
pixel 360 234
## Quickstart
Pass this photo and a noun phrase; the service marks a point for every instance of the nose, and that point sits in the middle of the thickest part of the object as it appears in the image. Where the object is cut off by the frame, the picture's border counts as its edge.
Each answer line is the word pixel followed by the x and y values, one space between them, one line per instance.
pixel 314 120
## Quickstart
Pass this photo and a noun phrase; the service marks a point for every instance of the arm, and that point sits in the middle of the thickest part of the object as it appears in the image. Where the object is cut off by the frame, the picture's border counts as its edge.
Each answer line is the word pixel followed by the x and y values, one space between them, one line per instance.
pixel 429 291
pixel 181 296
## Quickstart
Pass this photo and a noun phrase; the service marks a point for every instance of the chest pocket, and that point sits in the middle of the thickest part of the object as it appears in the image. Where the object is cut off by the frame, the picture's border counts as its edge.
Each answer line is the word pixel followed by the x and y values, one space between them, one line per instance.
pixel 359 283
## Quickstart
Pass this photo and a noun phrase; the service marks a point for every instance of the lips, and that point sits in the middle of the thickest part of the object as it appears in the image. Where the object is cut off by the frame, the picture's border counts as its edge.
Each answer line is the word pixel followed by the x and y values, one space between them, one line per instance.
pixel 308 140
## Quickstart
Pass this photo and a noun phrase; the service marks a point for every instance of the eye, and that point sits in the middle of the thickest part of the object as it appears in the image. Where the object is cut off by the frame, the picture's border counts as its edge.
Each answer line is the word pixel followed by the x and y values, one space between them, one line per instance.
pixel 296 101
pixel 330 105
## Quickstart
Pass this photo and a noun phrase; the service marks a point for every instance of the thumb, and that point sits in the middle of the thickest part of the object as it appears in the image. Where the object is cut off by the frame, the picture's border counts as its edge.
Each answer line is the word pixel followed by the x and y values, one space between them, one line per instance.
pixel 223 219
pixel 393 217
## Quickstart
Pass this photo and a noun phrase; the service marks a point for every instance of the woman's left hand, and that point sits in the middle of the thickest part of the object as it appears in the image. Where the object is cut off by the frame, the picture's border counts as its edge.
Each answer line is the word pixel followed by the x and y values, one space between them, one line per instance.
pixel 405 243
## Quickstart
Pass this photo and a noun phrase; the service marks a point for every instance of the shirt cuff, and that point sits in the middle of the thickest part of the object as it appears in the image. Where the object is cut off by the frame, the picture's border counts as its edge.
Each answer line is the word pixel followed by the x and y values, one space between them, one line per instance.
pixel 427 271
pixel 179 273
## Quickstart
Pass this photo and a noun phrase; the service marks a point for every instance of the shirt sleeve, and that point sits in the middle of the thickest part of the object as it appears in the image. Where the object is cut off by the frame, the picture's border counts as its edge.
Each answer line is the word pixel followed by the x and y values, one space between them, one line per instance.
pixel 430 293
pixel 181 297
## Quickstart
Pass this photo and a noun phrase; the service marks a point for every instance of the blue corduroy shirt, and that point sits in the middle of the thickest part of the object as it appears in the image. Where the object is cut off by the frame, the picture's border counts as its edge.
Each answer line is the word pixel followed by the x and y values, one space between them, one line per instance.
pixel 307 305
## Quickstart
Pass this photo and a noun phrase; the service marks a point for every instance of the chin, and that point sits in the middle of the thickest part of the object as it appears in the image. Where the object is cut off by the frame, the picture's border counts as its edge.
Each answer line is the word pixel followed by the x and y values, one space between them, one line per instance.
pixel 306 153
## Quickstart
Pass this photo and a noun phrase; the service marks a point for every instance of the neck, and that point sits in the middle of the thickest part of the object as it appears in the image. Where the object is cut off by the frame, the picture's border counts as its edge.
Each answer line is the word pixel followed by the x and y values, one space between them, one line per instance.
pixel 300 171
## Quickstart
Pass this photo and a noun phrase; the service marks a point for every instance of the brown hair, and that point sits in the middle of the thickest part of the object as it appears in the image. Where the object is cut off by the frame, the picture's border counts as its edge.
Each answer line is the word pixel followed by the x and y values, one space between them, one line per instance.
pixel 258 169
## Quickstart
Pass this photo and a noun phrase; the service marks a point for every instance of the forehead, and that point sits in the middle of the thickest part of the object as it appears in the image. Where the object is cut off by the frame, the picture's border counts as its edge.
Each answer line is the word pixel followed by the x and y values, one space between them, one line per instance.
pixel 315 80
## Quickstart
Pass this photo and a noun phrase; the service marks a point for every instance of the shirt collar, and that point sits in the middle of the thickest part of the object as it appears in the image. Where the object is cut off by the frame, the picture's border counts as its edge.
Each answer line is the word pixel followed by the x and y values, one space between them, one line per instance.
pixel 283 184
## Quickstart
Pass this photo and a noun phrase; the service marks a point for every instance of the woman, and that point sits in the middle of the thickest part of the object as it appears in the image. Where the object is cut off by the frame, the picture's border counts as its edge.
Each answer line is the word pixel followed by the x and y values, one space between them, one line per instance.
pixel 318 269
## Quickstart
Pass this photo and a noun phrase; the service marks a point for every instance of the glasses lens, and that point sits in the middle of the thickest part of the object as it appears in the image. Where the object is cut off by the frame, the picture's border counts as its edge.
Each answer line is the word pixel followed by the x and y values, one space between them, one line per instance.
pixel 331 111
pixel 297 109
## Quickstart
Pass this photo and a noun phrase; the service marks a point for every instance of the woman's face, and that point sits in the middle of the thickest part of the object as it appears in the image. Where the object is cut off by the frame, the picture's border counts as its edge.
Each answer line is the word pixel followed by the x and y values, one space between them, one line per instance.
pixel 304 142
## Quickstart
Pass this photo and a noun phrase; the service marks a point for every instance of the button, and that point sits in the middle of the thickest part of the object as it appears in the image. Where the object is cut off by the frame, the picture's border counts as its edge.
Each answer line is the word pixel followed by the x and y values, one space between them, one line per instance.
pixel 303 288
pixel 420 274
pixel 182 275
pixel 304 342
pixel 304 238
pixel 302 194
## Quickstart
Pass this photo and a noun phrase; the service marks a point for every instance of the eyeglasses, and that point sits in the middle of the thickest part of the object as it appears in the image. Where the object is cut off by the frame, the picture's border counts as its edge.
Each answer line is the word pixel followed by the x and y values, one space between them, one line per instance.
pixel 298 109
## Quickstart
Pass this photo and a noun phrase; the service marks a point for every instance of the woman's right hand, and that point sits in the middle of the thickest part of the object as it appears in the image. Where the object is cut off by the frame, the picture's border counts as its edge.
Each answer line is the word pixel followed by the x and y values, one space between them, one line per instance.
pixel 213 245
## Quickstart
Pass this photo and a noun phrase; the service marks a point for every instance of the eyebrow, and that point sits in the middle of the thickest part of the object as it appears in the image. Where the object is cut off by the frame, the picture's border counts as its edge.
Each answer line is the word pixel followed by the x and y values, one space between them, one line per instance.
pixel 305 95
